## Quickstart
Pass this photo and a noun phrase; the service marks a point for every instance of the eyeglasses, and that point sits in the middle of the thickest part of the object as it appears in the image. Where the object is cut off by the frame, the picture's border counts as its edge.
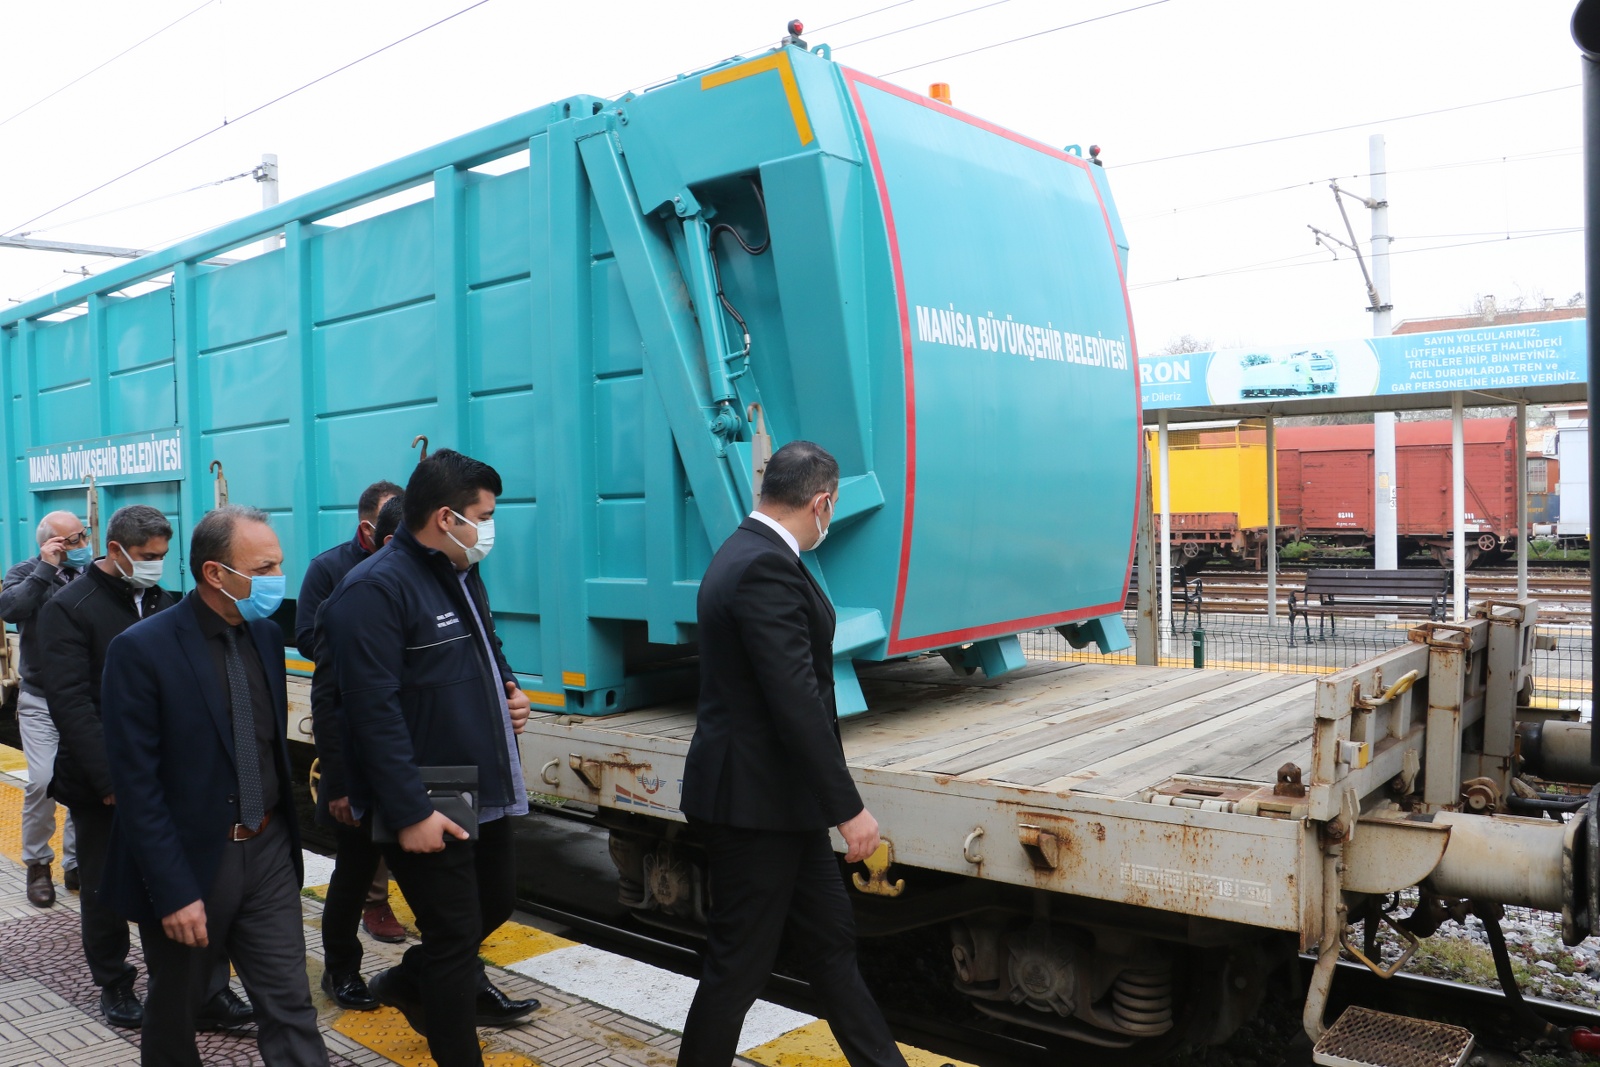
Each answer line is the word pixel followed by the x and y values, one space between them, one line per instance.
pixel 77 540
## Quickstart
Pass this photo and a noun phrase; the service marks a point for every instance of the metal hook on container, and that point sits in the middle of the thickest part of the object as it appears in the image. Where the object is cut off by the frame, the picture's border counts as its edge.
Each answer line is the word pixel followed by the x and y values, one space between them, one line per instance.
pixel 760 449
pixel 94 517
pixel 220 489
pixel 423 439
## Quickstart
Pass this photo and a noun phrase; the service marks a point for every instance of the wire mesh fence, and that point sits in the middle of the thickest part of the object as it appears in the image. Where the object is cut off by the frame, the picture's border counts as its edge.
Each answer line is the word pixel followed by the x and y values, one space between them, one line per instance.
pixel 1255 642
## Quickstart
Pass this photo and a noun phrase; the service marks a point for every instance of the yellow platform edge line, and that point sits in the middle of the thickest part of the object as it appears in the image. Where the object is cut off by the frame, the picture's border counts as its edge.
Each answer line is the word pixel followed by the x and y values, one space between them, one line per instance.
pixel 11 827
pixel 512 943
pixel 812 1045
pixel 12 759
pixel 386 1032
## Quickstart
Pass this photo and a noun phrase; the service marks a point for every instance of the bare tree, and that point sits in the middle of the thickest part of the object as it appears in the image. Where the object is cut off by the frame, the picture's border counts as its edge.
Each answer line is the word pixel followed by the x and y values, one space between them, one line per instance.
pixel 1185 344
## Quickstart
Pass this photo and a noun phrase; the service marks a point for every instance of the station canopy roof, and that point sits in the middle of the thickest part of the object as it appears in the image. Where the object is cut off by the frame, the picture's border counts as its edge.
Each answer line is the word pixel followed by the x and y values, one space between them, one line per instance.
pixel 1539 362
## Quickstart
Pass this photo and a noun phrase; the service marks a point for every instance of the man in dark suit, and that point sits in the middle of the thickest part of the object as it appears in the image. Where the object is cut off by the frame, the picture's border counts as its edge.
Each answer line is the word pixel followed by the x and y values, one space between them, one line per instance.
pixel 205 852
pixel 766 775
pixel 358 889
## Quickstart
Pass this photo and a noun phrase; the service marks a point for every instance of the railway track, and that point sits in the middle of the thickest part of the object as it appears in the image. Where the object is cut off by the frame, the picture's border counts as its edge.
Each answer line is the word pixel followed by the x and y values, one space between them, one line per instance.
pixel 1563 597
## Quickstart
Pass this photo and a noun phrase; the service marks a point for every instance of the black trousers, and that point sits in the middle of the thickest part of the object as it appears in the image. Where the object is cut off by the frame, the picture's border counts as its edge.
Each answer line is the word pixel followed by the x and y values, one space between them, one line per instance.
pixel 105 933
pixel 460 896
pixel 252 916
pixel 763 883
pixel 355 862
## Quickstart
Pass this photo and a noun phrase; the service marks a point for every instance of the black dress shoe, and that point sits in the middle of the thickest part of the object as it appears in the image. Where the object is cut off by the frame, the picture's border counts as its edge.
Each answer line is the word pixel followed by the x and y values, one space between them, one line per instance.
pixel 494 1008
pixel 349 991
pixel 392 990
pixel 225 1011
pixel 70 879
pixel 121 1007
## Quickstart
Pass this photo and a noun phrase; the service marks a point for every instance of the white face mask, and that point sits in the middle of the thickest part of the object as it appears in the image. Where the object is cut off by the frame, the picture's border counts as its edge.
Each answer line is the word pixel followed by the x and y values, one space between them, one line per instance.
pixel 146 572
pixel 822 531
pixel 477 551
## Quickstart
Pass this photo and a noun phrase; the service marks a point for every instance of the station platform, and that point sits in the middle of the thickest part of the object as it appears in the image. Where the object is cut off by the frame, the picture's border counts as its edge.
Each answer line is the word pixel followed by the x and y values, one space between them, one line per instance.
pixel 598 1009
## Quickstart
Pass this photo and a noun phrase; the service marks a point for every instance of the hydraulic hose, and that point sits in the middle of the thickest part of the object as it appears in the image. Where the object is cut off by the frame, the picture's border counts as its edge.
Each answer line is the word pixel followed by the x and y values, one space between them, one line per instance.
pixel 1531 1021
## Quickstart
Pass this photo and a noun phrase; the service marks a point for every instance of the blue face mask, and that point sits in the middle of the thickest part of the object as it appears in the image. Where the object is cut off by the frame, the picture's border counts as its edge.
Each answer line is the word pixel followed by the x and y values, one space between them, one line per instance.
pixel 266 593
pixel 80 557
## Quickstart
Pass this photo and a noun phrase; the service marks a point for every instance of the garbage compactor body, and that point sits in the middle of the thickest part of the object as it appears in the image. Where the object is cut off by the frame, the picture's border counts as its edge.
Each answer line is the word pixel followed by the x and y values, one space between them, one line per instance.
pixel 610 301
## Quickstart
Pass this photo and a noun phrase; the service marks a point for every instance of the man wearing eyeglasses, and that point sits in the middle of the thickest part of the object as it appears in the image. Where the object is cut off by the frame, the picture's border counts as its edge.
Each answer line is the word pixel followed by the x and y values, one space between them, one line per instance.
pixel 63 554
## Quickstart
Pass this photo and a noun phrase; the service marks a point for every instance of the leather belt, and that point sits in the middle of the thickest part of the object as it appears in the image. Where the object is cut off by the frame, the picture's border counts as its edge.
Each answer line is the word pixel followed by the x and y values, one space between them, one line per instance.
pixel 240 832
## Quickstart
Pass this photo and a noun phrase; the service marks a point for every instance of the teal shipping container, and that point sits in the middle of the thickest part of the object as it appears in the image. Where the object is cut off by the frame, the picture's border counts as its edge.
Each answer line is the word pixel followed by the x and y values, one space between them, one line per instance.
pixel 609 300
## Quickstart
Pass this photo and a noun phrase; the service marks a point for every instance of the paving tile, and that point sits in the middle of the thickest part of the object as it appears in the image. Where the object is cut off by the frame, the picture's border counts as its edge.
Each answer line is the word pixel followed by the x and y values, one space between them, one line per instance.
pixel 50 1014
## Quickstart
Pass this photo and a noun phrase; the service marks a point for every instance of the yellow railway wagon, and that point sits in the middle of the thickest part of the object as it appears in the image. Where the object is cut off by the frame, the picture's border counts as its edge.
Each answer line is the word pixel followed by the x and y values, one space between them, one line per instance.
pixel 1218 493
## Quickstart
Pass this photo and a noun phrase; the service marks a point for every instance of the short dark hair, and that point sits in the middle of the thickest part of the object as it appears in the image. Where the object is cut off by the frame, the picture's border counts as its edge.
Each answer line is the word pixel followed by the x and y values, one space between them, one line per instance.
pixel 446 479
pixel 372 495
pixel 212 539
pixel 137 524
pixel 389 518
pixel 796 473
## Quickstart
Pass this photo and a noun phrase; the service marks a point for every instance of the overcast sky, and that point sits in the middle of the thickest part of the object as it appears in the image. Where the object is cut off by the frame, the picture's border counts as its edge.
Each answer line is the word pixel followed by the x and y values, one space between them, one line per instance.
pixel 1220 249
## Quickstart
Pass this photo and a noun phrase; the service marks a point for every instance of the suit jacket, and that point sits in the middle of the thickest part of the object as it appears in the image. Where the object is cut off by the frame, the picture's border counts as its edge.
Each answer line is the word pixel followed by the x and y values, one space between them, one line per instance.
pixel 323 575
pixel 75 628
pixel 766 753
pixel 168 719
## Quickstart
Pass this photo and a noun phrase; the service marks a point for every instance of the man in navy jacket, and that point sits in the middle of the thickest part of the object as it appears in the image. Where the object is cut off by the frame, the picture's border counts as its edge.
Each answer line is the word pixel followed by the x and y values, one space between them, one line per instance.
pixel 205 851
pixel 358 889
pixel 422 682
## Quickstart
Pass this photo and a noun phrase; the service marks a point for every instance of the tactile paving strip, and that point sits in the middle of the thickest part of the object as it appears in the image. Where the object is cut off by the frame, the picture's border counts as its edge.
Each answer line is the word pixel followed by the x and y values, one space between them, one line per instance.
pixel 46 948
pixel 1366 1038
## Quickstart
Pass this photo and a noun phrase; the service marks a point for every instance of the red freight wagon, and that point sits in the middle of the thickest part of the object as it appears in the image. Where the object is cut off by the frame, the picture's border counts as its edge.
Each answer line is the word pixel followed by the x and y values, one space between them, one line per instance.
pixel 1337 490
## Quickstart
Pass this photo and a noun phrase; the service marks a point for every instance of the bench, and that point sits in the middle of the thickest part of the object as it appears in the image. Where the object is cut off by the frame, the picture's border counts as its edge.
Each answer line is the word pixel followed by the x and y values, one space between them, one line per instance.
pixel 1185 590
pixel 1332 592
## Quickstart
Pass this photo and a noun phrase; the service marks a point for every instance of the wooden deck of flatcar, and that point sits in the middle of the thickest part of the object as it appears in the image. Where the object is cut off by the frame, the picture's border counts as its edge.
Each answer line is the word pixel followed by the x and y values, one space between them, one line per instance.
pixel 1112 730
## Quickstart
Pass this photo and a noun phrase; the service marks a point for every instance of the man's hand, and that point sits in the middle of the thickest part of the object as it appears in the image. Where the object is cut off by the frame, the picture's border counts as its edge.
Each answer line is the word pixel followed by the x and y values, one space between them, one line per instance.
pixel 517 701
pixel 339 808
pixel 187 925
pixel 54 551
pixel 428 835
pixel 860 836
pixel 109 800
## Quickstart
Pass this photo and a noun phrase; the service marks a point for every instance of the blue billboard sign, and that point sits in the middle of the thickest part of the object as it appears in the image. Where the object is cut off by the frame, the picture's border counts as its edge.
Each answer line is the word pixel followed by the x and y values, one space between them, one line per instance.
pixel 1519 356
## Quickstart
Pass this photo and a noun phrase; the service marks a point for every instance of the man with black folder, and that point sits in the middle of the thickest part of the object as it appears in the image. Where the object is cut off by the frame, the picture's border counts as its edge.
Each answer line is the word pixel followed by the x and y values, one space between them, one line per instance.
pixel 766 775
pixel 195 709
pixel 425 692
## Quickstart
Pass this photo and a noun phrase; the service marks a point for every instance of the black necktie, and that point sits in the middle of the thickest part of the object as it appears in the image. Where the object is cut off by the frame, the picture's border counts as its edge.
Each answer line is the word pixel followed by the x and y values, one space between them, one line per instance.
pixel 245 755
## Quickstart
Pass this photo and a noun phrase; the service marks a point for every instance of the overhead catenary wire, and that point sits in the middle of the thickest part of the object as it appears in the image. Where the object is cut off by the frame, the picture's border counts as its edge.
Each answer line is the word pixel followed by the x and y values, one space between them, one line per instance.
pixel 225 123
pixel 1027 37
pixel 919 25
pixel 864 14
pixel 1340 129
pixel 106 63
pixel 139 203
pixel 1522 157
pixel 1286 264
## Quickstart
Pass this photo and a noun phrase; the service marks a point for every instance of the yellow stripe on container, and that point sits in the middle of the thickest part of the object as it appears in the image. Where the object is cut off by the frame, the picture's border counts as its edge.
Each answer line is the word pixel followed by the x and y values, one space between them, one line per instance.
pixel 778 61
